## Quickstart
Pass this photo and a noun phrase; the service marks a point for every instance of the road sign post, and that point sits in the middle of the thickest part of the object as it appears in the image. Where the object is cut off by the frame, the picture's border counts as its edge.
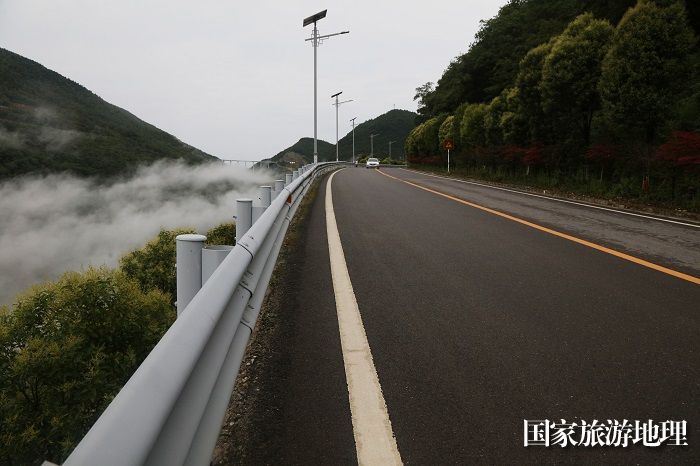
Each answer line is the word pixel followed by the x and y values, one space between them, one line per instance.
pixel 448 144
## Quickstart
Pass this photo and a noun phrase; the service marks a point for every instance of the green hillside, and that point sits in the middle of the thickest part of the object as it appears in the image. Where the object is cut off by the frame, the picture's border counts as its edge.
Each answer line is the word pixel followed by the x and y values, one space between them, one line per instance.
pixel 394 125
pixel 49 123
pixel 303 150
pixel 491 63
pixel 593 97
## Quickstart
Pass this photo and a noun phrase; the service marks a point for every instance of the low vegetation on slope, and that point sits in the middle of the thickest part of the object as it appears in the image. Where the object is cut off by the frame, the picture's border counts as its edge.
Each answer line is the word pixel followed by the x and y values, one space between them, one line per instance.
pixel 49 123
pixel 68 346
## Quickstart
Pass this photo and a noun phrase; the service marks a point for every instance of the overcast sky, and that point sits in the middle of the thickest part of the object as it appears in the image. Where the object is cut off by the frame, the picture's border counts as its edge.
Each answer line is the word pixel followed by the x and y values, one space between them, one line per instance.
pixel 235 78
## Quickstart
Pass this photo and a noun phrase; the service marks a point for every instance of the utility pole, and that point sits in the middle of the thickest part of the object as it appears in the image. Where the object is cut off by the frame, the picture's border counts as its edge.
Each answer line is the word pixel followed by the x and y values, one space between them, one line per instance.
pixel 390 143
pixel 371 144
pixel 337 104
pixel 316 41
pixel 353 139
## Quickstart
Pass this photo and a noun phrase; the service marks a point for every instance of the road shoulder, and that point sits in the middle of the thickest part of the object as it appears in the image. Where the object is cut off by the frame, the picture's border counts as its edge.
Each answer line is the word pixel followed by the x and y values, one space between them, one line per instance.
pixel 290 402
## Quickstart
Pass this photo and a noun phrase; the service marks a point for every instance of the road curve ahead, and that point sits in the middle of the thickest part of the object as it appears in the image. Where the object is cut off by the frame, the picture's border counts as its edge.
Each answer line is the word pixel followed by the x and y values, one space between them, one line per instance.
pixel 484 308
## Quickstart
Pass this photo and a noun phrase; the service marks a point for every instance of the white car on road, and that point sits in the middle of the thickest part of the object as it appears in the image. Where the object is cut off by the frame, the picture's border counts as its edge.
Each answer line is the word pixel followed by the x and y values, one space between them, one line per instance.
pixel 372 163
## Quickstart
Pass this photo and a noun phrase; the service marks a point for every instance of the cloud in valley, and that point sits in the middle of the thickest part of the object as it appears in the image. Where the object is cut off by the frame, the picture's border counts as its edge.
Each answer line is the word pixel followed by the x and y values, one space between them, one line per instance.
pixel 58 223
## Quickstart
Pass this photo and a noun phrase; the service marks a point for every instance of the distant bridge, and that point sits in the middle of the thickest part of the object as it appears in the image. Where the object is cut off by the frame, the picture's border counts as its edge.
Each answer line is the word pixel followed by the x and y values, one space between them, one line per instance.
pixel 262 163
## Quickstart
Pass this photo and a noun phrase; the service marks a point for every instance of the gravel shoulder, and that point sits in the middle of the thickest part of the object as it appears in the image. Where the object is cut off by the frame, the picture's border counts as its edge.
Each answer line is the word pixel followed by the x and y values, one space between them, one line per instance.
pixel 289 405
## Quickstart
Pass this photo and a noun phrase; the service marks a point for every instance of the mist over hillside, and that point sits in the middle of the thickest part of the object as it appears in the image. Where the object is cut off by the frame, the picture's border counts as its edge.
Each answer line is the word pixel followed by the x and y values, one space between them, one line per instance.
pixel 55 223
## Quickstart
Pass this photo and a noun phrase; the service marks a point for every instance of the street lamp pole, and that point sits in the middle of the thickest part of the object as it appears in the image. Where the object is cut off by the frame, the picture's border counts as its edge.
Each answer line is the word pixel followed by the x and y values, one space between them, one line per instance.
pixel 337 104
pixel 316 41
pixel 390 143
pixel 353 139
pixel 371 144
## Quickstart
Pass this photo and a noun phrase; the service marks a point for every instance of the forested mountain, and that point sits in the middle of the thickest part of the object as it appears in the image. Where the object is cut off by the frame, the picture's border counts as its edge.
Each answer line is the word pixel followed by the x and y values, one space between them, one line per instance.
pixel 49 123
pixel 566 88
pixel 491 63
pixel 393 125
pixel 303 151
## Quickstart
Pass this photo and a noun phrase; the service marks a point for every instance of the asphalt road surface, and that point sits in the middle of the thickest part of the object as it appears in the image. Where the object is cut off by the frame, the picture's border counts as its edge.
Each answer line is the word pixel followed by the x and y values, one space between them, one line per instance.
pixel 483 308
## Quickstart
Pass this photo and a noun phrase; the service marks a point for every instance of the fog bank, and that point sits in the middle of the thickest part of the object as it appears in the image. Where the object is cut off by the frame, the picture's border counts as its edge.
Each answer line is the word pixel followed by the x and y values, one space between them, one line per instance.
pixel 52 224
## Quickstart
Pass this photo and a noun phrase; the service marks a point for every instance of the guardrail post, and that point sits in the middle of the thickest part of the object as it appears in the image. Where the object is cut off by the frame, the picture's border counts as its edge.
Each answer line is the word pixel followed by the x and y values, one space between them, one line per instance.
pixel 244 217
pixel 265 196
pixel 287 179
pixel 263 201
pixel 212 256
pixel 188 260
pixel 279 186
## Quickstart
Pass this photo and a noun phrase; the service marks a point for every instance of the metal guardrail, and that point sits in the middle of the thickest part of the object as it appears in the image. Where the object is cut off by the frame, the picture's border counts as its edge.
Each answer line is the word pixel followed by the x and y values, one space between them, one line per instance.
pixel 171 410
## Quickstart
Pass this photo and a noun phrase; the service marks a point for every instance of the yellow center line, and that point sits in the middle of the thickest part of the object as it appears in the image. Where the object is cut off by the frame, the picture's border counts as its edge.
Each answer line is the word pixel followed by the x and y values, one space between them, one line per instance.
pixel 613 252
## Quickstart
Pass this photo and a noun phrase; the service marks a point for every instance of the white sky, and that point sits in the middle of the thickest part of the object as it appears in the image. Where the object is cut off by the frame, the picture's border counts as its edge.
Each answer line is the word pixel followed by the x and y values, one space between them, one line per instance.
pixel 235 78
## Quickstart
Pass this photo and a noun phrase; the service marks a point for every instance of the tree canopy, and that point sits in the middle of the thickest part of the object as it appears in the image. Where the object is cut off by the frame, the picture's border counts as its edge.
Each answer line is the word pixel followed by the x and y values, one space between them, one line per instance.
pixel 598 83
pixel 153 266
pixel 66 349
pixel 570 74
pixel 646 68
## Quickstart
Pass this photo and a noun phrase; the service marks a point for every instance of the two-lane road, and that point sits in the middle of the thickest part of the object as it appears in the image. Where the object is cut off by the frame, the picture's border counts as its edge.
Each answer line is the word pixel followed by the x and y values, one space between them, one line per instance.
pixel 671 242
pixel 483 308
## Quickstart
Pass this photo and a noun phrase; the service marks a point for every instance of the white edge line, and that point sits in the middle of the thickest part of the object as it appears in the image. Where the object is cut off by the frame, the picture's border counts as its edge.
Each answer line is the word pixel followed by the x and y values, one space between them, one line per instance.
pixel 374 438
pixel 554 199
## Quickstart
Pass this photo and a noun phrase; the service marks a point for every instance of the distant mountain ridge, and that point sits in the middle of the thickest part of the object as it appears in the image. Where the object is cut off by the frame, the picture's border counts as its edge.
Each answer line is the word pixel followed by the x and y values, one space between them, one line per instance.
pixel 49 123
pixel 303 149
pixel 393 125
